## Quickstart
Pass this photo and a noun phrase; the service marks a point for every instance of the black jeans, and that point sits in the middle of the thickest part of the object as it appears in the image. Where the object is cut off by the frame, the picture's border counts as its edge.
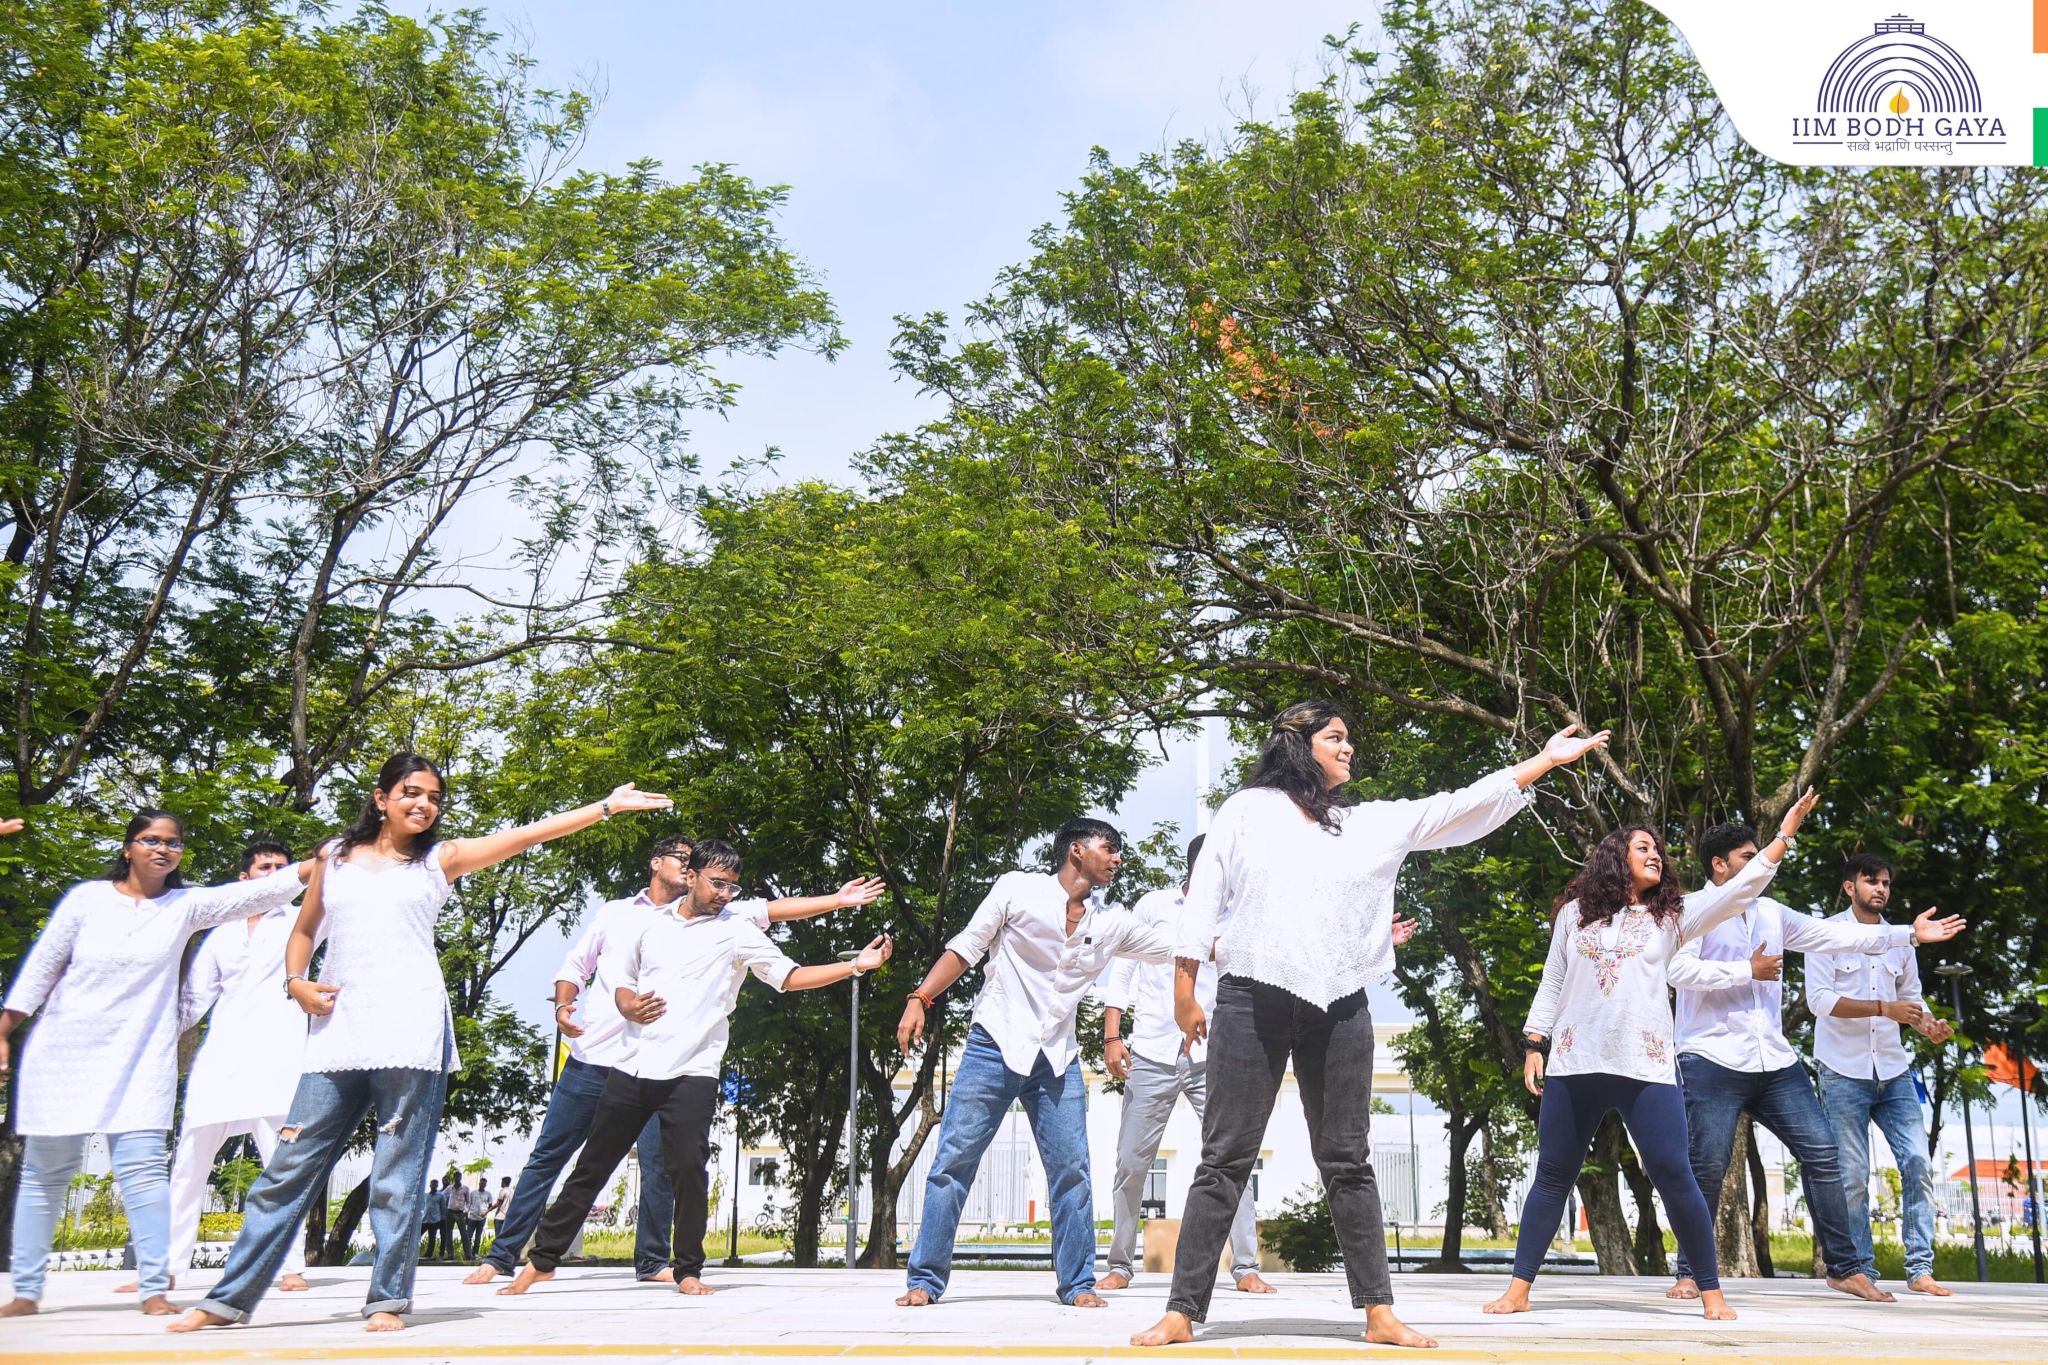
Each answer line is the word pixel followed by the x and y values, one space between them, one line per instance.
pixel 1255 1029
pixel 685 1105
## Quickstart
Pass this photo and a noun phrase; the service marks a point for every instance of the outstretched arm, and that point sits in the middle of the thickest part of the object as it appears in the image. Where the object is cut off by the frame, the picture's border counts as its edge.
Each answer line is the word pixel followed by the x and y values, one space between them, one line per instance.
pixel 832 973
pixel 859 891
pixel 1566 746
pixel 460 857
pixel 1451 818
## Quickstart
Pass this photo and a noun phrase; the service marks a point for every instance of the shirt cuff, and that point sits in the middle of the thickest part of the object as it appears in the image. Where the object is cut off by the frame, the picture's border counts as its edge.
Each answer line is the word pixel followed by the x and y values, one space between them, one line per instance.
pixel 962 945
pixel 1902 935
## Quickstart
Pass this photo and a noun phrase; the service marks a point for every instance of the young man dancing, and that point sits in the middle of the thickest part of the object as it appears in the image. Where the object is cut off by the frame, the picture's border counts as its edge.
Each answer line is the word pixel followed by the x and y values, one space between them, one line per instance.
pixel 1858 1002
pixel 598 1035
pixel 1156 1071
pixel 1733 1055
pixel 676 983
pixel 1046 940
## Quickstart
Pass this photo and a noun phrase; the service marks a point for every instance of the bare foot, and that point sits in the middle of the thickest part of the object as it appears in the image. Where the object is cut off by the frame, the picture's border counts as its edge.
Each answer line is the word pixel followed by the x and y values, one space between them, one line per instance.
pixel 383 1322
pixel 665 1275
pixel 526 1279
pixel 1382 1328
pixel 915 1298
pixel 133 1285
pixel 1113 1281
pixel 157 1306
pixel 195 1320
pixel 1172 1328
pixel 1716 1306
pixel 18 1308
pixel 690 1284
pixel 1858 1286
pixel 293 1284
pixel 483 1274
pixel 1686 1288
pixel 1088 1298
pixel 1250 1284
pixel 1516 1300
pixel 1925 1284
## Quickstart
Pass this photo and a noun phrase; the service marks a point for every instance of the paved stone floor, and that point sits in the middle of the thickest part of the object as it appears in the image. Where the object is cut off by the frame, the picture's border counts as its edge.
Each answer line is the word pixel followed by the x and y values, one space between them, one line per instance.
pixel 799 1315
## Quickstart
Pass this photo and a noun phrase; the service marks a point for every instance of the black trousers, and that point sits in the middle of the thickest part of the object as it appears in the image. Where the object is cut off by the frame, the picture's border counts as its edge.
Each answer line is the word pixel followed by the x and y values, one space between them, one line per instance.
pixel 1254 1030
pixel 685 1106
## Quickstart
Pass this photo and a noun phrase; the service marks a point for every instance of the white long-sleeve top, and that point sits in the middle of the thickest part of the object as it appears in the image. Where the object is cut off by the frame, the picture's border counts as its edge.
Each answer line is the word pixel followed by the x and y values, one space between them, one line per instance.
pixel 1311 910
pixel 103 1058
pixel 1146 989
pixel 1037 971
pixel 1736 1021
pixel 1605 1000
pixel 248 1067
pixel 392 1010
pixel 603 1042
pixel 1870 1048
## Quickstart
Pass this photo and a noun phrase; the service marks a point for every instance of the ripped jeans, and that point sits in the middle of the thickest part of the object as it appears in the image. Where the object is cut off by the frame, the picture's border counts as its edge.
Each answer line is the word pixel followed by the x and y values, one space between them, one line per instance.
pixel 324 1115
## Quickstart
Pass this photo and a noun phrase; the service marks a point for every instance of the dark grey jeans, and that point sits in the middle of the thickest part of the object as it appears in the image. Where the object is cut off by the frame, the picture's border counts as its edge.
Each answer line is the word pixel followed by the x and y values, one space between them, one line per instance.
pixel 1253 1032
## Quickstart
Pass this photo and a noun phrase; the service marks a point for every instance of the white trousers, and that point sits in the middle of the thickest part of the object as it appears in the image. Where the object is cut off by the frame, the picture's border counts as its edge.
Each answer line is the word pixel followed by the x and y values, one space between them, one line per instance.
pixel 197 1147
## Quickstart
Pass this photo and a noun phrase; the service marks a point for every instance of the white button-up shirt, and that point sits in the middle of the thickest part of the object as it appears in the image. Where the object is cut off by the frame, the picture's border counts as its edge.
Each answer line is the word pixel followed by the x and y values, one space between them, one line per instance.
pixel 696 965
pixel 1146 988
pixel 1870 1048
pixel 1736 1021
pixel 1037 972
pixel 255 1047
pixel 603 1042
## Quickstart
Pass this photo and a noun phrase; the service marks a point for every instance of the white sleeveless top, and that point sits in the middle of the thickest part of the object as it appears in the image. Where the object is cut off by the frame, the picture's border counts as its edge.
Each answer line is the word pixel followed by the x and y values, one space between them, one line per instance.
pixel 393 1007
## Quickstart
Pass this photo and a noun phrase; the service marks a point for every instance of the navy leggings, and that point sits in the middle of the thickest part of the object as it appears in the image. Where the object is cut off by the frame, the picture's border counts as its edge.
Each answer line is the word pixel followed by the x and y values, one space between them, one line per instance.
pixel 1654 1115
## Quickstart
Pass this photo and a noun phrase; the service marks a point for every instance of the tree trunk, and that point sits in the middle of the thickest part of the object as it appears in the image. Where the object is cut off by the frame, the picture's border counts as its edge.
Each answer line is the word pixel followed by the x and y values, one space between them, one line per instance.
pixel 1651 1258
pixel 1732 1240
pixel 335 1251
pixel 1489 1192
pixel 1450 1254
pixel 316 1227
pixel 1760 1214
pixel 1600 1192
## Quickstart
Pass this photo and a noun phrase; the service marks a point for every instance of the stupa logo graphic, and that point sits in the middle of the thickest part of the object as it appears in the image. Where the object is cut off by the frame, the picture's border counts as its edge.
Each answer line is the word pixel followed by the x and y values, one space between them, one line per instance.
pixel 1896 88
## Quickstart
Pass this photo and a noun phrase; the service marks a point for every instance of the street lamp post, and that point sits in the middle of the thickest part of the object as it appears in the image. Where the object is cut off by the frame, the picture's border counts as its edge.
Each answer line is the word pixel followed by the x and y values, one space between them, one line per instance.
pixel 852 1112
pixel 1955 972
pixel 732 1251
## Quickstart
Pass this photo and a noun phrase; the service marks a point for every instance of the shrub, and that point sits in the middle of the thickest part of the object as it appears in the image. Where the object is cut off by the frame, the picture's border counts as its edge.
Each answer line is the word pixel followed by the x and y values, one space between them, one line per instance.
pixel 1303 1235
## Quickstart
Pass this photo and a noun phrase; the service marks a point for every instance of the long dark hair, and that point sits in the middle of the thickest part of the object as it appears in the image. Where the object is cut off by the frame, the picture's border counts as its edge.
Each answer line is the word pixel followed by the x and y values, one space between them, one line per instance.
pixel 370 823
pixel 140 821
pixel 1604 887
pixel 1287 761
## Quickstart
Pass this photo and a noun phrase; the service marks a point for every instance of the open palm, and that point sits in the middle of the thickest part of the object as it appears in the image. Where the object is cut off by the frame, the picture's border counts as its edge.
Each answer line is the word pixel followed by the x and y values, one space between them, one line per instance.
pixel 1568 746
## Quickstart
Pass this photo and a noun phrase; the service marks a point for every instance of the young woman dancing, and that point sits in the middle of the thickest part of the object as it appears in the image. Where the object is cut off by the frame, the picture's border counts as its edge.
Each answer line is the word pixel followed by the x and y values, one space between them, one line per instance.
pixel 1309 883
pixel 104 1056
pixel 1603 1016
pixel 381 1036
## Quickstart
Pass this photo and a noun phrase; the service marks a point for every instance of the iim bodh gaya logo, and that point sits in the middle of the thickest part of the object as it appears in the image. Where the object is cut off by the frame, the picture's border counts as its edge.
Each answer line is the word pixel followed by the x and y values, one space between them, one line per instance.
pixel 1897 89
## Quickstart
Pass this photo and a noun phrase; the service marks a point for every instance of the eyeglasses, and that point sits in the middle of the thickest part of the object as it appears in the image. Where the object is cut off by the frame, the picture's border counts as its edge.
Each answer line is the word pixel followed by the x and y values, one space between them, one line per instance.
pixel 152 843
pixel 724 887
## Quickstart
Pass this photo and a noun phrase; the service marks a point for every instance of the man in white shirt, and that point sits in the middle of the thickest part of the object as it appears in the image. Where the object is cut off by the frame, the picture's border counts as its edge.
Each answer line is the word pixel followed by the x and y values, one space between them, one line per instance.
pixel 1733 1054
pixel 1046 940
pixel 1858 1003
pixel 599 1039
pixel 1156 1071
pixel 676 984
pixel 247 1070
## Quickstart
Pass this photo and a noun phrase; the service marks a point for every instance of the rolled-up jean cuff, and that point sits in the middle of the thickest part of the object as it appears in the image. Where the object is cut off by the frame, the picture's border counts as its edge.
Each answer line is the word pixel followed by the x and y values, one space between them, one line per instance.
pixel 398 1306
pixel 1360 1301
pixel 1186 1310
pixel 221 1310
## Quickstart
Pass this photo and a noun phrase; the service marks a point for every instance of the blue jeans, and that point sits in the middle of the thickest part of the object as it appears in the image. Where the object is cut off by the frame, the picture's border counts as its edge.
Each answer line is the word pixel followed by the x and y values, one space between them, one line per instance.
pixel 324 1115
pixel 1783 1102
pixel 571 1107
pixel 141 1169
pixel 1894 1106
pixel 1057 1107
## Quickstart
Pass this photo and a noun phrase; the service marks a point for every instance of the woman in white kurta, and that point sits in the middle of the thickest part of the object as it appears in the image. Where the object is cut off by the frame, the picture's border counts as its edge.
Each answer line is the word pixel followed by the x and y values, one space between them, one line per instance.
pixel 382 1039
pixel 103 1057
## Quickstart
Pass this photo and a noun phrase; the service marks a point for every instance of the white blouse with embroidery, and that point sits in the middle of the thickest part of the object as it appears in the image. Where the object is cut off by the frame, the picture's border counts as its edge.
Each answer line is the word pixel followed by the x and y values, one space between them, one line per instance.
pixel 1605 1000
pixel 392 1009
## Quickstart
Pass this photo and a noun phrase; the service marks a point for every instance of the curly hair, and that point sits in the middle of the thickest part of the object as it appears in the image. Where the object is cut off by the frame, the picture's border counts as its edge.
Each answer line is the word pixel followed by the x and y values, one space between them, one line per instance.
pixel 1287 761
pixel 1603 887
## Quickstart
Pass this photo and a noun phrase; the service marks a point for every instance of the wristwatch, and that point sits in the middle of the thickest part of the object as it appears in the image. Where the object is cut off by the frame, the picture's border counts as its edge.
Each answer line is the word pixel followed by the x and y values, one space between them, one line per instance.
pixel 295 976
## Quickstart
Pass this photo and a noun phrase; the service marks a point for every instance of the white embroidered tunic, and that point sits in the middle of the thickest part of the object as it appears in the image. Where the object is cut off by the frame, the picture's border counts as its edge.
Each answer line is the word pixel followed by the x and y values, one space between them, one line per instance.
pixel 392 1010
pixel 103 1058
pixel 1312 911
pixel 1605 1000
pixel 248 1067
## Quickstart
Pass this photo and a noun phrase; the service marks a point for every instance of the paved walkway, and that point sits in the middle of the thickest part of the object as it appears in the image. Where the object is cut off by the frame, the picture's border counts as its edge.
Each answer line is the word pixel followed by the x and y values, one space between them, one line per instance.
pixel 798 1315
